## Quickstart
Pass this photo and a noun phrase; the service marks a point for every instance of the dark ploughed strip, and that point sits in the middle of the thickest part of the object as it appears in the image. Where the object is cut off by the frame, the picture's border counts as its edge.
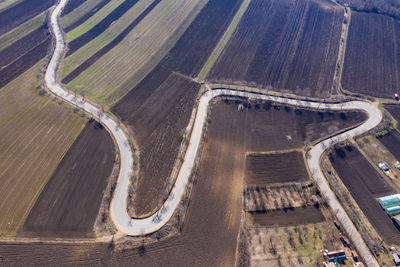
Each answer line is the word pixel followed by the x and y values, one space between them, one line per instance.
pixel 19 66
pixel 22 12
pixel 86 16
pixel 75 73
pixel 22 46
pixel 100 27
pixel 70 201
pixel 187 56
pixel 71 5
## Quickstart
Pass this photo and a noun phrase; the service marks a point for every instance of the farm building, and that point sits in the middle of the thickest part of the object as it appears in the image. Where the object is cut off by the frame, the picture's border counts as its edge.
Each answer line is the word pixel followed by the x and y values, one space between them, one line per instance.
pixel 337 256
pixel 391 204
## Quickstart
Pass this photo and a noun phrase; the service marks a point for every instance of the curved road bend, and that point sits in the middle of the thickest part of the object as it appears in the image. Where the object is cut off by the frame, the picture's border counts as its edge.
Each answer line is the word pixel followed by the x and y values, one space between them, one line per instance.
pixel 118 210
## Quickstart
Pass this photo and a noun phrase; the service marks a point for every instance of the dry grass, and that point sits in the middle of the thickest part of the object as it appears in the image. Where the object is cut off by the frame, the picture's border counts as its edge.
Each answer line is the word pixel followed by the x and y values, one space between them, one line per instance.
pixel 35 131
pixel 117 72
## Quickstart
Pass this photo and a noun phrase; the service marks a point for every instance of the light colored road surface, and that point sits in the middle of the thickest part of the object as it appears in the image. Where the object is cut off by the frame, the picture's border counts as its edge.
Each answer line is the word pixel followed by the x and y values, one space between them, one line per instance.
pixel 119 214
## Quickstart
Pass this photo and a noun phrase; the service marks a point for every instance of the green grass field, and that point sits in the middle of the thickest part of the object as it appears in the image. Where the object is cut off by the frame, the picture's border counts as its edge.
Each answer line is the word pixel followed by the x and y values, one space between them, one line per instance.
pixel 35 131
pixel 77 13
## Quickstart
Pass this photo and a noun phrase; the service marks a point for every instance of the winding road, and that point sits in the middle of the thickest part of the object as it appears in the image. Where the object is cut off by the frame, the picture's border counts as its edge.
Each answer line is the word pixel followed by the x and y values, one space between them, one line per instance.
pixel 118 210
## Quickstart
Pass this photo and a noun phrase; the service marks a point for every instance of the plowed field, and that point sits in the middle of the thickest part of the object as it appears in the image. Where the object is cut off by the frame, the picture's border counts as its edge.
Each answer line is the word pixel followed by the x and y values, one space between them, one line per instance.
pixel 372 61
pixel 290 46
pixel 365 185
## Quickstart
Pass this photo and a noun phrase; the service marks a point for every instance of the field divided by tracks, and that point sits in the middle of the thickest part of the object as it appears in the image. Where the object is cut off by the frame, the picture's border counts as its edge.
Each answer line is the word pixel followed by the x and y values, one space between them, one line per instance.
pixel 22 12
pixel 36 131
pixel 365 185
pixel 275 168
pixel 110 73
pixel 288 46
pixel 209 234
pixel 372 60
pixel 70 201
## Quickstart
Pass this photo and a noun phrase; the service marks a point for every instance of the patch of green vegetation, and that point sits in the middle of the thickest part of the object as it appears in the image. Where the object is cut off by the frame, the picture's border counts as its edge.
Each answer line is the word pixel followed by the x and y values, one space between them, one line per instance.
pixel 93 20
pixel 223 41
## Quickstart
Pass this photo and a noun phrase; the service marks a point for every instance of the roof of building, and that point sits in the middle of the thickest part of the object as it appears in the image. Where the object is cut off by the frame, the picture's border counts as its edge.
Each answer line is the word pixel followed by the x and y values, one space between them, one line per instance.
pixel 393 210
pixel 396 258
pixel 389 201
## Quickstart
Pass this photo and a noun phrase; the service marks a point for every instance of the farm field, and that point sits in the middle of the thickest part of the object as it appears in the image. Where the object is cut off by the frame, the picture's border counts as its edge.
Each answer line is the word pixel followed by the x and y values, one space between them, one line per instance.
pixel 76 42
pixel 22 12
pixel 70 6
pixel 392 142
pixel 103 67
pixel 216 195
pixel 365 185
pixel 79 15
pixel 290 217
pixel 371 64
pixel 160 123
pixel 34 140
pixel 287 46
pixel 70 201
pixel 21 31
pixel 275 168
pixel 394 110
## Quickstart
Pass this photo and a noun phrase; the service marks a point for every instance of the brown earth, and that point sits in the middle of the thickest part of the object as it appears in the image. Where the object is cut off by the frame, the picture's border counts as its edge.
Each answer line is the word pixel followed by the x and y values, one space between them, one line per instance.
pixel 288 45
pixel 365 185
pixel 372 60
pixel 210 231
pixel 275 168
pixel 160 123
pixel 288 217
pixel 392 142
pixel 70 201
pixel 394 110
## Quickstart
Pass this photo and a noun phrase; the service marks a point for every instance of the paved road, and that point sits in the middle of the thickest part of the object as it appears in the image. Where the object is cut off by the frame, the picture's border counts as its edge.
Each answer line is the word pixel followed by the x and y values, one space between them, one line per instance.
pixel 118 211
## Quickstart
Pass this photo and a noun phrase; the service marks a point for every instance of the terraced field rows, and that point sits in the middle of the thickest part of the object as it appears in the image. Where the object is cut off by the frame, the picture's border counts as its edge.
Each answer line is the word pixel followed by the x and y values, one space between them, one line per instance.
pixel 36 132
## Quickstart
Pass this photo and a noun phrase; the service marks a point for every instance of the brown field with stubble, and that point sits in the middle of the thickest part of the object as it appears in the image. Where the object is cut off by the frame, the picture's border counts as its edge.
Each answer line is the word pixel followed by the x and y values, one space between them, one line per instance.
pixel 275 168
pixel 70 201
pixel 371 64
pixel 288 46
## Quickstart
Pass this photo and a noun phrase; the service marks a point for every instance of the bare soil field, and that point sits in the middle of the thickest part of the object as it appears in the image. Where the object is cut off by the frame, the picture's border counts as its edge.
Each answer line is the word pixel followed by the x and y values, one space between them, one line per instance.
pixel 22 12
pixel 100 27
pixel 394 110
pixel 84 17
pixel 36 132
pixel 25 61
pixel 70 201
pixel 275 168
pixel 365 185
pixel 23 46
pixel 209 234
pixel 289 217
pixel 288 46
pixel 80 41
pixel 160 123
pixel 371 64
pixel 392 142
